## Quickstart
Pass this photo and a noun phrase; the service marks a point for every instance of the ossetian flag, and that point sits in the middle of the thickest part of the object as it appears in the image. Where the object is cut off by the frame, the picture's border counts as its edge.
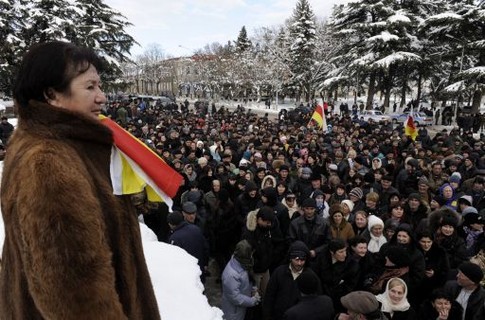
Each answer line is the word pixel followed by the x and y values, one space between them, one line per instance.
pixel 409 128
pixel 319 116
pixel 135 167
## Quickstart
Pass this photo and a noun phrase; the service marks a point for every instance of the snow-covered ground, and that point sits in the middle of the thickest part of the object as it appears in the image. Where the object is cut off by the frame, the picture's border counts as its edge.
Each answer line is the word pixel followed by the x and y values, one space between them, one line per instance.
pixel 175 277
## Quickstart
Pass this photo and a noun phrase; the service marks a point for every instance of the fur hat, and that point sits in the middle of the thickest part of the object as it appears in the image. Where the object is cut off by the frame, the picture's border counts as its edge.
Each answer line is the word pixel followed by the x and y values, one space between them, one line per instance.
pixel 449 221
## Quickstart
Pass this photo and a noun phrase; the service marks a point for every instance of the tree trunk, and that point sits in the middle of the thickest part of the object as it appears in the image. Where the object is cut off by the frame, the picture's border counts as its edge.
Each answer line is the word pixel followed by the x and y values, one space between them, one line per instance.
pixel 371 90
pixel 420 78
pixel 477 99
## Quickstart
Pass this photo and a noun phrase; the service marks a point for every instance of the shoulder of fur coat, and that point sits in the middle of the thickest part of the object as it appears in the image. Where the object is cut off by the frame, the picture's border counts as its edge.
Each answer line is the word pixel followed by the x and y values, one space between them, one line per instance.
pixel 252 220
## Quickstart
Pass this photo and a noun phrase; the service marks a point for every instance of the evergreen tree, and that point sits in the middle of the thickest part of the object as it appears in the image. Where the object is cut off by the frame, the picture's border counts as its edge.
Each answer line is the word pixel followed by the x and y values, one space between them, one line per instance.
pixel 84 22
pixel 243 43
pixel 302 35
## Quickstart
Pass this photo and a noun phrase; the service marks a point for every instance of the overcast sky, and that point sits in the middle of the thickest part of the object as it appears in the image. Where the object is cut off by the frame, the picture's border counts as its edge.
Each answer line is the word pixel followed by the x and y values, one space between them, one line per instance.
pixel 182 26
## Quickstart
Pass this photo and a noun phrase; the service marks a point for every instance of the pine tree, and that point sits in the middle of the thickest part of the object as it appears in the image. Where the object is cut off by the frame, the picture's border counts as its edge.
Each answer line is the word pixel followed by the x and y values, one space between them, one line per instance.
pixel 243 43
pixel 84 22
pixel 302 35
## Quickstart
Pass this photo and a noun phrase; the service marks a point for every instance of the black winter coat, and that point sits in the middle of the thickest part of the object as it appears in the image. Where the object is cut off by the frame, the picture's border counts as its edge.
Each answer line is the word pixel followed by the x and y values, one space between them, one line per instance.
pixel 311 307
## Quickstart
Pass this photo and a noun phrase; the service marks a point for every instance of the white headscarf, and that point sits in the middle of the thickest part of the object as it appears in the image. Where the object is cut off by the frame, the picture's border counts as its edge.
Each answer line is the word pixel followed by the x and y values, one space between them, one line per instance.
pixel 387 305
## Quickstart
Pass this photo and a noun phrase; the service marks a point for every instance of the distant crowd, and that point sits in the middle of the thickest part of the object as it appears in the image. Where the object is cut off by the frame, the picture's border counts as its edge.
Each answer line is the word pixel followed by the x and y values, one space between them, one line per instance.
pixel 359 208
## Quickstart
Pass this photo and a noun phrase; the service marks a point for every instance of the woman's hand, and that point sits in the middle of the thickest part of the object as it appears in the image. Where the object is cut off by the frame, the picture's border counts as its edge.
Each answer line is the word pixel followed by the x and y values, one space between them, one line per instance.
pixel 429 273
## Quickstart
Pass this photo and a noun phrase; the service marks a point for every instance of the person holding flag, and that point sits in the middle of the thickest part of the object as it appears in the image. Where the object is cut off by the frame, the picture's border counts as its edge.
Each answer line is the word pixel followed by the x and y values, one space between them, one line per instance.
pixel 319 117
pixel 410 129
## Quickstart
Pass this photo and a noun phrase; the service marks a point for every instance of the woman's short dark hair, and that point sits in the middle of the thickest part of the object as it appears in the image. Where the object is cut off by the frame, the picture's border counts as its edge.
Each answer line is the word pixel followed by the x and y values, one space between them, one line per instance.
pixel 51 66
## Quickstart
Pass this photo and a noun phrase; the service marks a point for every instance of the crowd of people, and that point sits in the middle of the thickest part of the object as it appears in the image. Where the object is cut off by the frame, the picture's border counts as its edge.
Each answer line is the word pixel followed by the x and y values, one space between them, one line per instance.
pixel 359 221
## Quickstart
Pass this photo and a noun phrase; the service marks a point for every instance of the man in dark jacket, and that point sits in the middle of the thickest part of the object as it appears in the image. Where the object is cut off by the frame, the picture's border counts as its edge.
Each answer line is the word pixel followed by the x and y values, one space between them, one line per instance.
pixel 190 238
pixel 466 289
pixel 310 228
pixel 282 291
pixel 338 273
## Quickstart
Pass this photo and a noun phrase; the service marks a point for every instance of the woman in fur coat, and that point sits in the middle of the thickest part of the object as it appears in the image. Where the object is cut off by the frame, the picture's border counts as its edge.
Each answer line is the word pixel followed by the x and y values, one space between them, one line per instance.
pixel 72 249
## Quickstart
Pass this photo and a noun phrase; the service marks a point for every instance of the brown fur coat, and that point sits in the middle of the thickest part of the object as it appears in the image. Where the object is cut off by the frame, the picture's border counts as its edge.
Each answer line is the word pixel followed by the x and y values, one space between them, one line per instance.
pixel 72 249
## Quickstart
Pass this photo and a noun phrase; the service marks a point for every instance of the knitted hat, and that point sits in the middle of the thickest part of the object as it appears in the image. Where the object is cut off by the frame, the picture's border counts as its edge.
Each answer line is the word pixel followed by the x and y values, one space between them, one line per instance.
pixel 349 204
pixel 357 192
pixel 360 302
pixel 423 180
pixel 471 271
pixel 373 221
pixel 298 249
pixel 307 282
pixel 175 218
pixel 455 177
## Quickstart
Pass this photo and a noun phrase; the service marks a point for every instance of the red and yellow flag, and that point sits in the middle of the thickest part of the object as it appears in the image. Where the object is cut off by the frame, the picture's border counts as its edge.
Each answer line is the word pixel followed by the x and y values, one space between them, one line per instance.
pixel 409 127
pixel 135 167
pixel 319 117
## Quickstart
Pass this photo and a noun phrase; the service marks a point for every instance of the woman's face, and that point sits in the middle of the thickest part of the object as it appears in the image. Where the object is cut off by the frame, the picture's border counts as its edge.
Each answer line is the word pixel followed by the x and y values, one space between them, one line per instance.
pixel 403 237
pixel 83 96
pixel 376 230
pixel 261 174
pixel 281 189
pixel 360 249
pixel 340 191
pixel 337 218
pixel 397 212
pixel 360 220
pixel 396 293
pixel 371 204
pixel 447 192
pixel 425 243
pixel 447 230
pixel 393 200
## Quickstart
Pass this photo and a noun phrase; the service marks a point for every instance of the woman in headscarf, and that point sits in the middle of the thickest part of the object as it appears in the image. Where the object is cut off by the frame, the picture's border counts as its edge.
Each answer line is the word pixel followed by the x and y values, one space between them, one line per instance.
pixel 394 302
